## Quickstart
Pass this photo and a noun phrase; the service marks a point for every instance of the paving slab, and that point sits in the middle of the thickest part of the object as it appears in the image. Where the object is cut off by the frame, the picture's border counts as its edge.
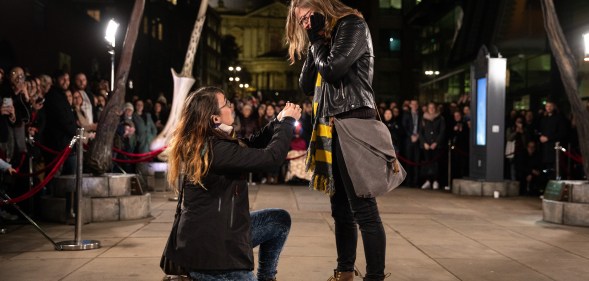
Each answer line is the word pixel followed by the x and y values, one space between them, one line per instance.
pixel 431 235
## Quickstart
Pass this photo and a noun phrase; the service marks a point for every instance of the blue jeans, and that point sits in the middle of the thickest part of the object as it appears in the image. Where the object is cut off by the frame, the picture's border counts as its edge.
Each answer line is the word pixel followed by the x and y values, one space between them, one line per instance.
pixel 269 230
pixel 350 211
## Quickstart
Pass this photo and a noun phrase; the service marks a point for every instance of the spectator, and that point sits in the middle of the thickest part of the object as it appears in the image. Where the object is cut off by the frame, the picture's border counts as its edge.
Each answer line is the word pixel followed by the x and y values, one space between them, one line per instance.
pixel 432 135
pixel 59 132
pixel 145 130
pixel 528 170
pixel 249 124
pixel 80 85
pixel 552 129
pixel 159 116
pixel 82 120
pixel 459 136
pixel 412 126
pixel 394 126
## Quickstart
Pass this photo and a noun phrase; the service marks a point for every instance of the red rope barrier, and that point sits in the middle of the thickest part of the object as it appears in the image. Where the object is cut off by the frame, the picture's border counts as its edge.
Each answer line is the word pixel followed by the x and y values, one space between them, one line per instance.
pixel 22 161
pixel 47 167
pixel 133 161
pixel 148 154
pixel 46 148
pixel 576 158
pixel 297 157
pixel 42 184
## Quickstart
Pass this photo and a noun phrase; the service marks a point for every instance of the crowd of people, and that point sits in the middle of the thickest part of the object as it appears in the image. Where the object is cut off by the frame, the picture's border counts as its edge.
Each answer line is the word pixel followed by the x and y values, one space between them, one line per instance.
pixel 420 132
pixel 40 114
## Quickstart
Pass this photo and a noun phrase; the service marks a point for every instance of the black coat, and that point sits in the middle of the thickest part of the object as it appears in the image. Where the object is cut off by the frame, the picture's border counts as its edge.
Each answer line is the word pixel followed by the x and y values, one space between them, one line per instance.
pixel 555 128
pixel 214 228
pixel 61 125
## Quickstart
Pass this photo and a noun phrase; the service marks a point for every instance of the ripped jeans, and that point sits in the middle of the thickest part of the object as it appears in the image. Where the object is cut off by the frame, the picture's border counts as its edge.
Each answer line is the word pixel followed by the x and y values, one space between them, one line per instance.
pixel 269 230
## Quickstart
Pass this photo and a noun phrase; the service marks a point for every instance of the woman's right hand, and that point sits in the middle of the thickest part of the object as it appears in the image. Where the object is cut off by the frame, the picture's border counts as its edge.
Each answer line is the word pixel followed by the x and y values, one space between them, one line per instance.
pixel 290 110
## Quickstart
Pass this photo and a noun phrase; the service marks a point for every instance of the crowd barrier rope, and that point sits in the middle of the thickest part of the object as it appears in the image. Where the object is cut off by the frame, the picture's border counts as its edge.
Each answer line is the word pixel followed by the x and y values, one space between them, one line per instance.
pixel 22 161
pixel 42 184
pixel 45 148
pixel 576 158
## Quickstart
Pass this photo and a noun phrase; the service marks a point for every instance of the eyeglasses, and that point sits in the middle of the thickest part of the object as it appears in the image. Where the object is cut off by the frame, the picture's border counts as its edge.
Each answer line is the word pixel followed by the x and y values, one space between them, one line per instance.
pixel 304 18
pixel 227 104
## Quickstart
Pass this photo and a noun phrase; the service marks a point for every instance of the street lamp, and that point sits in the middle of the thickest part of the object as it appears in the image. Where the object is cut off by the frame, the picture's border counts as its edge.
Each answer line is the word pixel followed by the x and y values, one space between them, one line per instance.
pixel 111 32
pixel 586 41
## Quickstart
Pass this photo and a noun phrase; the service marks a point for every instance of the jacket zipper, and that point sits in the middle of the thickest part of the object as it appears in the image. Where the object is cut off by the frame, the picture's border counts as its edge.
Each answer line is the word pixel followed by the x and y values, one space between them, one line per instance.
pixel 219 205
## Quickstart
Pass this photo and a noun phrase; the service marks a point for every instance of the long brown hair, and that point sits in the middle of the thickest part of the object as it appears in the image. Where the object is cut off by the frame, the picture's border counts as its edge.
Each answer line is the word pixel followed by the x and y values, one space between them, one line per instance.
pixel 296 37
pixel 190 151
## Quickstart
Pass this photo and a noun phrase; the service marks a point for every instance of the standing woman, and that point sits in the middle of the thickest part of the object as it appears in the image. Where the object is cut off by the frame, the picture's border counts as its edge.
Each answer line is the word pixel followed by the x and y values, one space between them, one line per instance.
pixel 338 73
pixel 216 231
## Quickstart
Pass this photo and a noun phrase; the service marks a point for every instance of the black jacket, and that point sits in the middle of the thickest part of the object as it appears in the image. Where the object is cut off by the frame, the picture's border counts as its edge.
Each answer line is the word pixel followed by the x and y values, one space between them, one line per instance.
pixel 61 126
pixel 345 65
pixel 214 228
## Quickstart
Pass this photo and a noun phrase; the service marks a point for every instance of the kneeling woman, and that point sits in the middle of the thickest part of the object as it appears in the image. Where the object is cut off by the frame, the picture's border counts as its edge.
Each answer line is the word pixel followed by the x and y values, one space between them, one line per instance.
pixel 216 231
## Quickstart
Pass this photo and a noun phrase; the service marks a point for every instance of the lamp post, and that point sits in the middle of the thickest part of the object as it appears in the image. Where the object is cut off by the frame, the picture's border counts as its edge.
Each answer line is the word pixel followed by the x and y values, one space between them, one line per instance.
pixel 111 32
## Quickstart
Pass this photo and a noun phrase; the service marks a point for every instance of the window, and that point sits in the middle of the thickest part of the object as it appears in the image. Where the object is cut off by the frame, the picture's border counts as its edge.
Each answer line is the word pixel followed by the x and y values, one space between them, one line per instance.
pixel 388 4
pixel 160 31
pixel 390 40
pixel 95 14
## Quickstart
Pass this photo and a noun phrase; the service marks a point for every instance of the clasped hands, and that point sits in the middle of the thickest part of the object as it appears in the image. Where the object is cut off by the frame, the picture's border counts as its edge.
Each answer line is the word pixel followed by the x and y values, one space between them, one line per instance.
pixel 290 110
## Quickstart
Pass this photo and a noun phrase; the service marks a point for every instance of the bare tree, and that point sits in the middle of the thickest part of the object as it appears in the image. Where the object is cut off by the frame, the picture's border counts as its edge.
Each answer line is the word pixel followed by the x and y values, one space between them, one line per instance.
pixel 100 159
pixel 567 66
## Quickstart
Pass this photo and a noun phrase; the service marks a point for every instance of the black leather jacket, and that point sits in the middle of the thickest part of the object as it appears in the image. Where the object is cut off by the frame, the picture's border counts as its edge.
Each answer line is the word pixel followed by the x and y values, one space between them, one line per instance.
pixel 346 67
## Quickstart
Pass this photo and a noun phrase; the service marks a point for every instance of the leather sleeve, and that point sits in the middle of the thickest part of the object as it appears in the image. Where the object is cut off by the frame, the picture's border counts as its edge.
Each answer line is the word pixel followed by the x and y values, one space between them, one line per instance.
pixel 348 45
pixel 308 76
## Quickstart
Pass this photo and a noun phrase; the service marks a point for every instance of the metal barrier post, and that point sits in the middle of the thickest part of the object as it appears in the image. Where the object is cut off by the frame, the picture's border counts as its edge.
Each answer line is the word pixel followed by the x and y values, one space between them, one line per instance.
pixel 78 243
pixel 250 180
pixel 450 148
pixel 557 148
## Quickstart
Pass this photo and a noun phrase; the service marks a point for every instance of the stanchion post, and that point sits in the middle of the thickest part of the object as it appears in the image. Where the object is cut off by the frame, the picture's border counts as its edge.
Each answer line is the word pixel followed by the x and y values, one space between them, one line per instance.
pixel 557 148
pixel 79 244
pixel 250 180
pixel 450 147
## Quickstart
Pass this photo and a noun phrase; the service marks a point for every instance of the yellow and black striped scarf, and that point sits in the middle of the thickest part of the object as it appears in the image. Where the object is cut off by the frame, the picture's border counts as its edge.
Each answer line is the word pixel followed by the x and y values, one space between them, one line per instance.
pixel 318 158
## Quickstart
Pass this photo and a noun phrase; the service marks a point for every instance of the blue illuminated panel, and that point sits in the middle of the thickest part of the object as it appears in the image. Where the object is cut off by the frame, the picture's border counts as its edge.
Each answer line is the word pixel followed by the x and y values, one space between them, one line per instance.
pixel 481 126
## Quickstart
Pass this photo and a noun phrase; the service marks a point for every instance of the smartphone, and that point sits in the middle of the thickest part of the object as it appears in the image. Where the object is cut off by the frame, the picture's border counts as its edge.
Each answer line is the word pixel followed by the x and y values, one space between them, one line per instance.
pixel 7 102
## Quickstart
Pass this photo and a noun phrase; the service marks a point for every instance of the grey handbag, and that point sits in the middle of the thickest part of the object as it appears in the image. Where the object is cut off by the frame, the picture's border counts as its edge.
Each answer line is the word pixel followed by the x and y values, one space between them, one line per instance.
pixel 369 155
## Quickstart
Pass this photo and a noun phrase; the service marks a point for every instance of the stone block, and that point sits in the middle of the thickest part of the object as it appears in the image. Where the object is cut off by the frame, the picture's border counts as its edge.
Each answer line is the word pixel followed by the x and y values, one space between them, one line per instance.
pixel 512 188
pixel 552 211
pixel 161 183
pixel 150 180
pixel 471 188
pixel 576 214
pixel 119 184
pixel 489 188
pixel 456 185
pixel 54 209
pixel 94 186
pixel 135 207
pixel 579 191
pixel 63 184
pixel 105 209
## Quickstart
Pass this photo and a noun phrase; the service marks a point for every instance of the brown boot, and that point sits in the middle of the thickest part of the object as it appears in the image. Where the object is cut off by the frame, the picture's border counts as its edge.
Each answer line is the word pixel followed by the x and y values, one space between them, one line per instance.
pixel 343 276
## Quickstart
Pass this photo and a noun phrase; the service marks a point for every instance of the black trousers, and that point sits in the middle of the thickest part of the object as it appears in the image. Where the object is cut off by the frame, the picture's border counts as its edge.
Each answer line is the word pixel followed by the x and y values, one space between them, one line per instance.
pixel 348 211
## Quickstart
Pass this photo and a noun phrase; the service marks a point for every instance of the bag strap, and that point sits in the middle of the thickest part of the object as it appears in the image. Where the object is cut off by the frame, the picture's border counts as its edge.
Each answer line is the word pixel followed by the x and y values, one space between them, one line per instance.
pixel 376 109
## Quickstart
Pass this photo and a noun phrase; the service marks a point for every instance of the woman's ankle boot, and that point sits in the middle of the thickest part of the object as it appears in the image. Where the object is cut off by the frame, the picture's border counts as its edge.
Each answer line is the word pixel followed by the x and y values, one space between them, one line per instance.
pixel 343 276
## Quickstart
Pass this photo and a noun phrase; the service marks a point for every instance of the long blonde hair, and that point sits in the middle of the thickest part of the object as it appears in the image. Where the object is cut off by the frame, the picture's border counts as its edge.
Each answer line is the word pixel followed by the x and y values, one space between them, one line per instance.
pixel 190 148
pixel 296 37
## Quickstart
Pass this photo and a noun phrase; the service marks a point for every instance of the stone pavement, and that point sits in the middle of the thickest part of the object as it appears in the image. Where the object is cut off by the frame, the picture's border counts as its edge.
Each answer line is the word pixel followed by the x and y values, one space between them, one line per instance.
pixel 431 235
